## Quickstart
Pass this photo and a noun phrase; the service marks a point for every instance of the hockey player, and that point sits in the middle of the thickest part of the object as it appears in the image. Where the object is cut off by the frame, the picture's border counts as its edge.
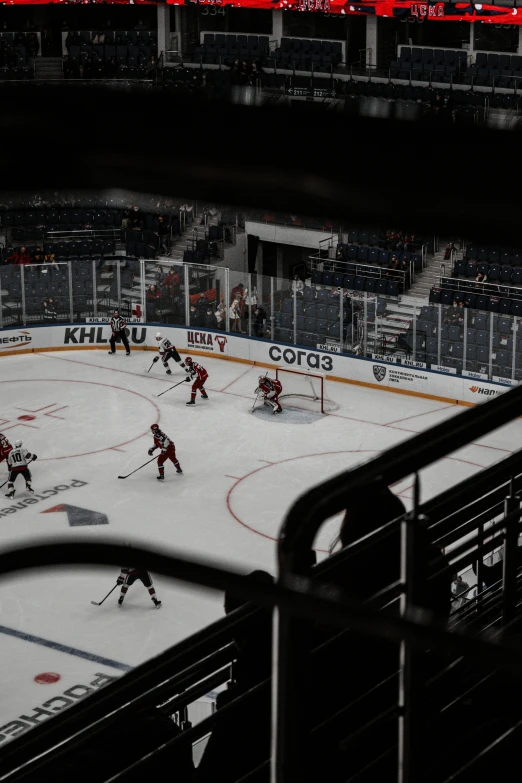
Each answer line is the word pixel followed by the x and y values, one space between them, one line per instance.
pixel 127 578
pixel 167 351
pixel 118 326
pixel 200 374
pixel 168 451
pixel 270 388
pixel 17 463
pixel 5 447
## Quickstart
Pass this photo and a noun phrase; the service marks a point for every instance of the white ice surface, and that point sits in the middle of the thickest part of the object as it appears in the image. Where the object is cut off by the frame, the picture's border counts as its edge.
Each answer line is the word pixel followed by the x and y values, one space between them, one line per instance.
pixel 90 419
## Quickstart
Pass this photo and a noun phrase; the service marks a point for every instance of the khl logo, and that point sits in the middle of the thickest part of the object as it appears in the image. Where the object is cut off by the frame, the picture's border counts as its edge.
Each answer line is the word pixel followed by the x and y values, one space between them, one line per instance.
pixel 379 372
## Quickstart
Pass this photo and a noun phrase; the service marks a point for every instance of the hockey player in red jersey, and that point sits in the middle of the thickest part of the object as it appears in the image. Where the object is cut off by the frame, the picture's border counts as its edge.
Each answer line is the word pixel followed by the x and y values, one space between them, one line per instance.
pixel 270 388
pixel 168 451
pixel 5 447
pixel 127 578
pixel 200 374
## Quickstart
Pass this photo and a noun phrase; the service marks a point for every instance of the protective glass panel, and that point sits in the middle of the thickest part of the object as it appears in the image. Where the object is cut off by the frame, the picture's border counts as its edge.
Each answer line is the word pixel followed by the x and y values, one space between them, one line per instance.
pixel 11 288
pixel 46 290
pixel 164 292
pixel 207 298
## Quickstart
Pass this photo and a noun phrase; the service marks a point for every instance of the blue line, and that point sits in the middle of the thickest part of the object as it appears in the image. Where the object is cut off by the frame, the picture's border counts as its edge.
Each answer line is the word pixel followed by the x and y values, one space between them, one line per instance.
pixel 27 637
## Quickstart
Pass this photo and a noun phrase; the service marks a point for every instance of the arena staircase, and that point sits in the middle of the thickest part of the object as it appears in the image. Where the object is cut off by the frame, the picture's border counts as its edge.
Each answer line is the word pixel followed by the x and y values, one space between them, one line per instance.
pixel 48 68
pixel 431 274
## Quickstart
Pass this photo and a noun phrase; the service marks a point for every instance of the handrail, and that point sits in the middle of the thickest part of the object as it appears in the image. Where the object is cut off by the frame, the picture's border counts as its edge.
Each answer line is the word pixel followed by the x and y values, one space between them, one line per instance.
pixel 305 599
pixel 303 522
pixel 318 504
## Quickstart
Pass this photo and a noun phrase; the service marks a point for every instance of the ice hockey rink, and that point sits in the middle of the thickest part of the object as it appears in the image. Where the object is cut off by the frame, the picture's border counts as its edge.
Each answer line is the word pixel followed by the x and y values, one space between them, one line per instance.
pixel 87 416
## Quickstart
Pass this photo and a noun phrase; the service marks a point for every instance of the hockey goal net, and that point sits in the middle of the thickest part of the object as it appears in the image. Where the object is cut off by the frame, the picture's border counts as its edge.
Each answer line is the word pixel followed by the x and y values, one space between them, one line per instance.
pixel 307 389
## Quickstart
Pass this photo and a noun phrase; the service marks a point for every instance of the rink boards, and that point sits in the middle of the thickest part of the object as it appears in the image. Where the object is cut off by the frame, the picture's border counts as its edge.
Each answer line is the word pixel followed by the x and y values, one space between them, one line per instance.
pixel 405 378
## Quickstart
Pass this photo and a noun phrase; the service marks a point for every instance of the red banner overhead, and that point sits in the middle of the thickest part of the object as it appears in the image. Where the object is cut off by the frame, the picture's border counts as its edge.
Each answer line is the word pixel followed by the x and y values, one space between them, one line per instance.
pixel 398 9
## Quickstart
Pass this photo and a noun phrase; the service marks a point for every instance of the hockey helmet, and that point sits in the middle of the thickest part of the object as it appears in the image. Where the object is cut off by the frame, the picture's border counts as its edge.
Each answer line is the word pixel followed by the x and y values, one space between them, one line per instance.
pixel 158 336
pixel 188 360
pixel 18 444
pixel 154 428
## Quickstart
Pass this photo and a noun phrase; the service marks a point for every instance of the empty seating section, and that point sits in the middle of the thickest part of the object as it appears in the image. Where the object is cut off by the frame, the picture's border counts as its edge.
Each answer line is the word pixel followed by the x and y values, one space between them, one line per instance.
pixel 492 68
pixel 317 316
pixel 226 47
pixel 16 51
pixel 307 54
pixel 448 65
pixel 48 289
pixel 129 50
pixel 470 339
pixel 423 64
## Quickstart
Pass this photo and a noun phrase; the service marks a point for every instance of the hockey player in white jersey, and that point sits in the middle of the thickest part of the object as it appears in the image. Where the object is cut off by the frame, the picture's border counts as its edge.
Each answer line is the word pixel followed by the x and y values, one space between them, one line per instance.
pixel 17 461
pixel 167 351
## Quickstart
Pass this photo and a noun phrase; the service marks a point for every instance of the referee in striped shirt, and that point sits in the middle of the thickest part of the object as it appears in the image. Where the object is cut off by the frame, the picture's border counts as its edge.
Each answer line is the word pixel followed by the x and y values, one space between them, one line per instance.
pixel 118 326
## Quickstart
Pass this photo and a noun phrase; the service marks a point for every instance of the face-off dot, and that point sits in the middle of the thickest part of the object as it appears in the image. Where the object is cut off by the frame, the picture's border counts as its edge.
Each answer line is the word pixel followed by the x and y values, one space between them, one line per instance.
pixel 26 418
pixel 47 678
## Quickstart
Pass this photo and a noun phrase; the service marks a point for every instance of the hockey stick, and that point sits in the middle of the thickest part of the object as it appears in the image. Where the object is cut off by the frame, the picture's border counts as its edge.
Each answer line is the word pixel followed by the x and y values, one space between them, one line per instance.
pixel 5 482
pixel 140 467
pixel 172 387
pixel 95 603
pixel 151 366
pixel 255 403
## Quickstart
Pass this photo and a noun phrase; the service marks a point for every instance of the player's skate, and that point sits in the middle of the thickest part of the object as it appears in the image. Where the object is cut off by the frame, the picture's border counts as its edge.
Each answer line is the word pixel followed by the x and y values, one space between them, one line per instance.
pixel 29 488
pixel 190 402
pixel 10 494
pixel 178 469
pixel 204 395
pixel 168 371
pixel 278 409
pixel 120 600
pixel 128 353
pixel 156 603
pixel 111 352
pixel 161 477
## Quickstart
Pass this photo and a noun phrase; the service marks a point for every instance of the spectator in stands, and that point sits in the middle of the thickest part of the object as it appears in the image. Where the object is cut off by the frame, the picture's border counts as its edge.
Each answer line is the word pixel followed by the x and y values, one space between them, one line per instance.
pixel 153 295
pixel 140 25
pixel 151 67
pixel 460 590
pixel 258 321
pixel 49 258
pixel 257 74
pixel 49 310
pixel 221 315
pixel 241 742
pixel 80 73
pixel 68 68
pixel 136 219
pixel 237 292
pixel 235 316
pixel 452 317
pixel 98 39
pixel 89 71
pixel 159 276
pixel 481 278
pixel 111 69
pixel 210 319
pixel 20 257
pixel 38 256
pixel 163 233
pixel 193 316
pixel 201 308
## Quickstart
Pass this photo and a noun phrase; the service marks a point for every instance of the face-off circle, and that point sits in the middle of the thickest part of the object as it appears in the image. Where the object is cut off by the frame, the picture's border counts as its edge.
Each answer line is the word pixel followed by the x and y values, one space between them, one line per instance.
pixel 47 678
pixel 281 483
pixel 63 419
